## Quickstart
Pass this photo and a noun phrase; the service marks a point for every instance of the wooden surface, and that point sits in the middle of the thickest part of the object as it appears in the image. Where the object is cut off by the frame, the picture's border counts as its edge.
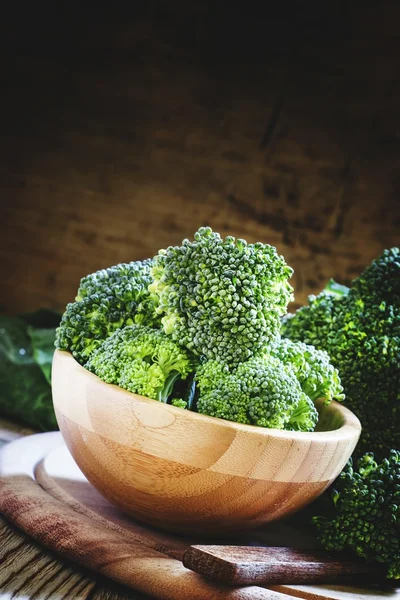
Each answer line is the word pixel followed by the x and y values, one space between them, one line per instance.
pixel 260 565
pixel 86 541
pixel 186 472
pixel 67 488
pixel 123 132
pixel 28 571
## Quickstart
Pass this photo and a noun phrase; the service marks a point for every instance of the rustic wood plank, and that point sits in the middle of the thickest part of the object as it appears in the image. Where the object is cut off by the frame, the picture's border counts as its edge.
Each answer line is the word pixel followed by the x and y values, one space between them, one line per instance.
pixel 337 592
pixel 246 565
pixel 29 571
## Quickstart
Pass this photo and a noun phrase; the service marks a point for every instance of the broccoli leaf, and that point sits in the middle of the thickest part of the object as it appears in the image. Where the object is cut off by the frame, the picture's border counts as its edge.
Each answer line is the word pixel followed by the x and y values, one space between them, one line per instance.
pixel 336 289
pixel 42 341
pixel 25 394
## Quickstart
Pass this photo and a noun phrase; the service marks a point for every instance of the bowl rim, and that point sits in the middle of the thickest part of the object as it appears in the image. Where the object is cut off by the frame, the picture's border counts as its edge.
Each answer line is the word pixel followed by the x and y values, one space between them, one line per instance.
pixel 350 423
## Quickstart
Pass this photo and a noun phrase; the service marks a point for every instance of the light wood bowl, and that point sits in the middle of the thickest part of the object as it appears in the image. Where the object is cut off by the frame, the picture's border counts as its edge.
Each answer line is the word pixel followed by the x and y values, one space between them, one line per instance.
pixel 186 472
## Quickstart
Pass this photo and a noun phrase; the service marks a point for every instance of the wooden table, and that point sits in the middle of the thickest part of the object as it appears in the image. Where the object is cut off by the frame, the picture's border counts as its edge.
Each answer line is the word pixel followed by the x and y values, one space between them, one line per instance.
pixel 30 571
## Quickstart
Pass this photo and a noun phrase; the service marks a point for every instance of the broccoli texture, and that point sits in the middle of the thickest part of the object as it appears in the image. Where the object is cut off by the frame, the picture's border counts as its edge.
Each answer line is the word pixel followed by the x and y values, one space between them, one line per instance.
pixel 261 391
pixel 312 367
pixel 366 517
pixel 221 298
pixel 128 282
pixel 304 416
pixel 107 300
pixel 140 326
pixel 314 322
pixel 360 330
pixel 380 281
pixel 179 402
pixel 142 360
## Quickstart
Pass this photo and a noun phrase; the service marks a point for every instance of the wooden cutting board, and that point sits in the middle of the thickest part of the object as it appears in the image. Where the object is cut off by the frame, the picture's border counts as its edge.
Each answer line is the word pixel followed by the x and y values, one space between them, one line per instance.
pixel 44 493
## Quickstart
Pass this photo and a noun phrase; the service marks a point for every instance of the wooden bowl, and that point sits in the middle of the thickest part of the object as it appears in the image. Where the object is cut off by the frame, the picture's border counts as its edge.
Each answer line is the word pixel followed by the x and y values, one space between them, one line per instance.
pixel 186 472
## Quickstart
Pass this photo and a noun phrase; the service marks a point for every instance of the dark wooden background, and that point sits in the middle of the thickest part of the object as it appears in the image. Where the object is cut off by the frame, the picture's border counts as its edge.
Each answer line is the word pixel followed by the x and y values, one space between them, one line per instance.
pixel 122 132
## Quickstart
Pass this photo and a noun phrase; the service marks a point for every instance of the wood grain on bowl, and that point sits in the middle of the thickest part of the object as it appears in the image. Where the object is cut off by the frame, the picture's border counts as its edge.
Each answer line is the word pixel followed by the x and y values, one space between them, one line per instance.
pixel 187 472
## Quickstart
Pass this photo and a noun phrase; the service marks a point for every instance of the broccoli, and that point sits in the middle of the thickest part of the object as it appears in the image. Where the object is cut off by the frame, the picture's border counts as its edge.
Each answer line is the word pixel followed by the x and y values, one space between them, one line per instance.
pixel 304 416
pixel 380 281
pixel 366 517
pixel 261 391
pixel 312 367
pixel 141 360
pixel 106 301
pixel 360 330
pixel 128 282
pixel 313 323
pixel 179 402
pixel 221 298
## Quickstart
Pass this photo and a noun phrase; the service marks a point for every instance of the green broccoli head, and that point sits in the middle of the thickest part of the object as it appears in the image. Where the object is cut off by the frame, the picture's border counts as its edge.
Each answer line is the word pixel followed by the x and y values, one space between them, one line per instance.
pixel 380 281
pixel 370 371
pixel 128 283
pixel 360 331
pixel 107 300
pixel 84 325
pixel 367 512
pixel 141 360
pixel 221 298
pixel 314 322
pixel 317 376
pixel 261 391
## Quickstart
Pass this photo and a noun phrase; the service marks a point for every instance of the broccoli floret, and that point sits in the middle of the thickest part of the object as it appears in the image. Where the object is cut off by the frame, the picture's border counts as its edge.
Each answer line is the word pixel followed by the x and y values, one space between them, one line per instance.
pixel 314 322
pixel 84 325
pixel 367 512
pixel 261 391
pixel 317 376
pixel 141 360
pixel 107 300
pixel 221 298
pixel 134 275
pixel 179 403
pixel 304 417
pixel 128 282
pixel 380 281
pixel 360 331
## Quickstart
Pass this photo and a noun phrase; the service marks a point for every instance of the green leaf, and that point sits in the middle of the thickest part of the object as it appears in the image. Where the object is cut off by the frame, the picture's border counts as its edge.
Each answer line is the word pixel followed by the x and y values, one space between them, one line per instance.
pixel 25 394
pixel 42 341
pixel 333 288
pixel 15 345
